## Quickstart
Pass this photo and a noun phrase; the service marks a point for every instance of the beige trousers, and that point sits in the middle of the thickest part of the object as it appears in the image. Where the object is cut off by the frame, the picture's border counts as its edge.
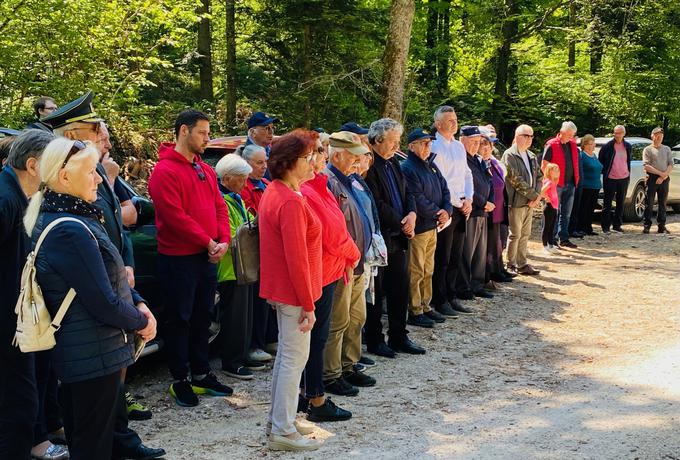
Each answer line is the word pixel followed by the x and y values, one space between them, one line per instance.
pixel 421 268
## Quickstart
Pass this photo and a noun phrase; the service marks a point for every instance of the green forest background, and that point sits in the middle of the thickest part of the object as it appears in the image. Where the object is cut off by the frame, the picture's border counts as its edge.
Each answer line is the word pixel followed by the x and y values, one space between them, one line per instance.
pixel 321 63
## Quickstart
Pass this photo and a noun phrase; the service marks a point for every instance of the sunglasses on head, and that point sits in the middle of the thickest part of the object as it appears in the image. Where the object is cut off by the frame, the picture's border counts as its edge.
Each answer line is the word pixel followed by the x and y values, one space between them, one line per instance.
pixel 199 171
pixel 75 148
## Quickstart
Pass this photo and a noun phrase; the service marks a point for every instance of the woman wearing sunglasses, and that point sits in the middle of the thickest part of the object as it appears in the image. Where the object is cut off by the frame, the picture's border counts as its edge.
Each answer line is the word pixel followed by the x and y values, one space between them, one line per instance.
pixel 96 338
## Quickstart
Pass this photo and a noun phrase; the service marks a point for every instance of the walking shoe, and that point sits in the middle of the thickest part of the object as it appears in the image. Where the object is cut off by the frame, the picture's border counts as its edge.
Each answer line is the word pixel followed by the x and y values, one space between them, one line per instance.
pixel 182 393
pixel 420 320
pixel 53 452
pixel 446 310
pixel 254 365
pixel 617 230
pixel 567 244
pixel 578 234
pixel 359 379
pixel 662 229
pixel 500 278
pixel 528 270
pixel 140 452
pixel 492 286
pixel 340 387
pixel 407 346
pixel 358 367
pixel 366 361
pixel 277 442
pixel 435 316
pixel 135 409
pixel 509 274
pixel 238 372
pixel 209 385
pixel 645 229
pixel 327 412
pixel 271 348
pixel 304 430
pixel 381 349
pixel 483 293
pixel 549 250
pixel 259 355
pixel 460 308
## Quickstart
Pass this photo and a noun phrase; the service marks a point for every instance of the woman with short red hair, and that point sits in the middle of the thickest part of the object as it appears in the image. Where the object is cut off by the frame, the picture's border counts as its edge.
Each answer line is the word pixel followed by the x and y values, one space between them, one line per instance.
pixel 290 280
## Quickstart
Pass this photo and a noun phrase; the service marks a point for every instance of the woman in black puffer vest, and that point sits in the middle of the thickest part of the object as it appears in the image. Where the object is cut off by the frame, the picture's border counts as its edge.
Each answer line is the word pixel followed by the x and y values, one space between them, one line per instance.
pixel 96 338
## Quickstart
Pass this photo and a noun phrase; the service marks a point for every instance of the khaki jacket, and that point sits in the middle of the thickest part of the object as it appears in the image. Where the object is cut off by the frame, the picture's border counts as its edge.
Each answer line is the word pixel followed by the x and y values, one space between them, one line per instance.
pixel 517 179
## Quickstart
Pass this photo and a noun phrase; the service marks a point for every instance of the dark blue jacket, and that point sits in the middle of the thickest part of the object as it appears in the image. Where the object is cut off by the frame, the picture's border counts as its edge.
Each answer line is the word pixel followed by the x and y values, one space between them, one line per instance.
pixel 606 156
pixel 429 189
pixel 483 183
pixel 108 202
pixel 13 250
pixel 95 338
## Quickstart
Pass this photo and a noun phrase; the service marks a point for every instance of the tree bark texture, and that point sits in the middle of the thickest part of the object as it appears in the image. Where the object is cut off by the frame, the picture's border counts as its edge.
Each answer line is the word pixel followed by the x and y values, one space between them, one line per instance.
pixel 396 57
pixel 230 67
pixel 204 50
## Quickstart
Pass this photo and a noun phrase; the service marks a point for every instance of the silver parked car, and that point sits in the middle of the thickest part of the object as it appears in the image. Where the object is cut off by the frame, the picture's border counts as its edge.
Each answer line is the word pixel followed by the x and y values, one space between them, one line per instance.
pixel 636 196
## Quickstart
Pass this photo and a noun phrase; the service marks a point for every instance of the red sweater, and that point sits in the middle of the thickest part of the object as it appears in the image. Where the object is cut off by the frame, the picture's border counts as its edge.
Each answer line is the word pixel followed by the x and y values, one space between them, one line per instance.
pixel 189 211
pixel 252 194
pixel 338 249
pixel 290 248
pixel 558 158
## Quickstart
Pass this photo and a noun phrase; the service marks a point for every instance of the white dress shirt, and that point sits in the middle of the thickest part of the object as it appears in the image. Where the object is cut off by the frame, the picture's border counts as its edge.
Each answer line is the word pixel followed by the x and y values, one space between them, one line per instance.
pixel 451 160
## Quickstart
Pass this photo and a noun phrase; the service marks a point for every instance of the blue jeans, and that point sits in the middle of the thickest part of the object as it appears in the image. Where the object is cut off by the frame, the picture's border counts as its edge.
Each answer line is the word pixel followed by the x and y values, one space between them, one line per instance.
pixel 566 199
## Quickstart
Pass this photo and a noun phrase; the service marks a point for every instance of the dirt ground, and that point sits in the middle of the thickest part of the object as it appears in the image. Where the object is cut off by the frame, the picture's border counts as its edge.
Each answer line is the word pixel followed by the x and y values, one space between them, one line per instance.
pixel 581 362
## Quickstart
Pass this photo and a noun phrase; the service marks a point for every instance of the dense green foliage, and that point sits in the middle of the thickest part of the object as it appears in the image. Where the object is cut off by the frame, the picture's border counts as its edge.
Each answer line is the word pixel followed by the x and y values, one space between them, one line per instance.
pixel 319 62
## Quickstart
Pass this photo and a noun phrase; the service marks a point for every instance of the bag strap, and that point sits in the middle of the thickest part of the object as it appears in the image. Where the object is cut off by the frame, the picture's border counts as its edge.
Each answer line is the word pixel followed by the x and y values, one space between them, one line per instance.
pixel 63 308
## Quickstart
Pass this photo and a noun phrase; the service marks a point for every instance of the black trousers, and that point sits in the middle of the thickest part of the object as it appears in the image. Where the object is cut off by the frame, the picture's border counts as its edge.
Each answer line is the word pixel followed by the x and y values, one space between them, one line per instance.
pixel 392 284
pixel 661 191
pixel 260 319
pixel 18 402
pixel 125 439
pixel 49 412
pixel 494 249
pixel 89 416
pixel 587 209
pixel 448 257
pixel 614 189
pixel 236 322
pixel 189 286
pixel 312 376
pixel 549 218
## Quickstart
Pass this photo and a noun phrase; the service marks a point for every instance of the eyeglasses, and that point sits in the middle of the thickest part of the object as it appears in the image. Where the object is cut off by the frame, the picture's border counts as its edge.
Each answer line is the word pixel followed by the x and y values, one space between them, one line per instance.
pixel 75 148
pixel 530 136
pixel 269 129
pixel 309 157
pixel 199 170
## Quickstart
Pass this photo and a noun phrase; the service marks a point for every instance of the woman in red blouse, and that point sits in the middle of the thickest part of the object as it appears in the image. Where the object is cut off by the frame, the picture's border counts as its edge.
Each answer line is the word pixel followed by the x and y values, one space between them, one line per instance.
pixel 290 279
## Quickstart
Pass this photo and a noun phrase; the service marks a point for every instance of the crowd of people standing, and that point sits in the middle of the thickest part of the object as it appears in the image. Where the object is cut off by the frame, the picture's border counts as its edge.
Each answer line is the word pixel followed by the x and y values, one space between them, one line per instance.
pixel 348 231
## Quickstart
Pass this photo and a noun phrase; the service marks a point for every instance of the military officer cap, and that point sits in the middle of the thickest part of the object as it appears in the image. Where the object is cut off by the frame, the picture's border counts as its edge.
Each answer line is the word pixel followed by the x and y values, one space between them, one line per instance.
pixel 78 111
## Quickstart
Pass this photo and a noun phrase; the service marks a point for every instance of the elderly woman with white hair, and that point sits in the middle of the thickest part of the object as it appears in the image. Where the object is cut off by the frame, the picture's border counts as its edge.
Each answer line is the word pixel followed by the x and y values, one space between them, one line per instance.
pixel 236 300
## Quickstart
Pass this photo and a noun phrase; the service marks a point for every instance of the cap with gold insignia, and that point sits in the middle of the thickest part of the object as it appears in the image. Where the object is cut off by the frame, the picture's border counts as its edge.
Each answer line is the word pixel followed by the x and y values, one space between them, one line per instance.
pixel 80 110
pixel 348 141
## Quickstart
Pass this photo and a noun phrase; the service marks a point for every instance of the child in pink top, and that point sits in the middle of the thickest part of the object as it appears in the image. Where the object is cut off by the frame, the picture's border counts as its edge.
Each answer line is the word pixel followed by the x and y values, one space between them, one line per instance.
pixel 549 192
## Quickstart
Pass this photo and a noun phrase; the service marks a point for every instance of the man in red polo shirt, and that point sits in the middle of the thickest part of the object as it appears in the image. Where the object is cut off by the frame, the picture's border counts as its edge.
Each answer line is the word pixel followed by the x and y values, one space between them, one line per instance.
pixel 192 224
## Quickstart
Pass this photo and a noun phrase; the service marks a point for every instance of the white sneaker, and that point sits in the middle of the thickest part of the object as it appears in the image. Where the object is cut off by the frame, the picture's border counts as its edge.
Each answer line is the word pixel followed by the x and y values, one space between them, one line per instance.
pixel 304 430
pixel 277 442
pixel 547 250
pixel 260 356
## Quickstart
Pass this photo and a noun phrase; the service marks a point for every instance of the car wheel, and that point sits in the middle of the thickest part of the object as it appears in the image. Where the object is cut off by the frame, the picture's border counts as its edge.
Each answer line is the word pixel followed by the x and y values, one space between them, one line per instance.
pixel 635 210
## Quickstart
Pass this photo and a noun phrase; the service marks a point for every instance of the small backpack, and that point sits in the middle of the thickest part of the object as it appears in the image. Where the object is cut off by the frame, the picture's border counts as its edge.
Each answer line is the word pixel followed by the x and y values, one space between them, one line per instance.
pixel 35 327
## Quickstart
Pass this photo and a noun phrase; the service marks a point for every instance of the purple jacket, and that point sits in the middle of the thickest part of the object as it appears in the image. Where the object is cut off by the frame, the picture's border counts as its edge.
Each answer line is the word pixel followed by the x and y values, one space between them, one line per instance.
pixel 498 180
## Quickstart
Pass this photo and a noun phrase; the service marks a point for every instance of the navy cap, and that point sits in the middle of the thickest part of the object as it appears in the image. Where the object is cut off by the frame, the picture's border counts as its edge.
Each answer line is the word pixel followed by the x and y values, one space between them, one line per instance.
pixel 80 110
pixel 260 119
pixel 352 127
pixel 486 134
pixel 319 130
pixel 418 134
pixel 469 131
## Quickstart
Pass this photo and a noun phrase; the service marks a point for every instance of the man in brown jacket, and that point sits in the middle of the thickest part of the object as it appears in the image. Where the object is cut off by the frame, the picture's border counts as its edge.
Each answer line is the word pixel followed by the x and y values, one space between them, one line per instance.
pixel 523 184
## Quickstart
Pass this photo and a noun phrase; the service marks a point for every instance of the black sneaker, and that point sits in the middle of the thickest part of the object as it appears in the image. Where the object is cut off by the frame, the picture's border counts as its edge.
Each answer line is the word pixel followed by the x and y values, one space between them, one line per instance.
pixel 509 274
pixel 359 379
pixel 462 309
pixel 182 394
pixel 435 316
pixel 420 320
pixel 645 229
pixel 238 372
pixel 567 244
pixel 407 346
pixel 446 310
pixel 358 367
pixel 381 349
pixel 340 387
pixel 662 229
pixel 209 385
pixel 135 409
pixel 327 412
pixel 366 361
pixel 483 293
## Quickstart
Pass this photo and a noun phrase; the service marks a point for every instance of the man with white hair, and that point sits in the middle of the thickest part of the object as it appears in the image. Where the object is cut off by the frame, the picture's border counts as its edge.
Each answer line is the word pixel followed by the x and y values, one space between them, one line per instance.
pixel 451 160
pixel 615 157
pixel 523 183
pixel 562 151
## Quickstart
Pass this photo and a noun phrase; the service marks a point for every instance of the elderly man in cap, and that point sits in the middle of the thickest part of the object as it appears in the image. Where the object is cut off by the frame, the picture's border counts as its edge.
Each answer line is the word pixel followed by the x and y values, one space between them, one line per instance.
pixel 562 151
pixel 433 209
pixel 397 212
pixel 452 162
pixel 473 270
pixel 657 160
pixel 343 348
pixel 261 130
pixel 77 120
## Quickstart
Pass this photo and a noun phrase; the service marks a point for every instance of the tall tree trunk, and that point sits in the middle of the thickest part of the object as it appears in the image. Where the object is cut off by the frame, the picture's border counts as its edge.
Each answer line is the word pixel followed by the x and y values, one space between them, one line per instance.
pixel 509 31
pixel 443 48
pixel 230 68
pixel 571 60
pixel 204 45
pixel 431 41
pixel 396 57
pixel 307 71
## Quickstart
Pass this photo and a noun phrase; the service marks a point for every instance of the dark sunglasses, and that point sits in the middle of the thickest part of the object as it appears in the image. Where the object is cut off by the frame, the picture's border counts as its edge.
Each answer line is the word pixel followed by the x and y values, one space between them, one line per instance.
pixel 199 171
pixel 75 148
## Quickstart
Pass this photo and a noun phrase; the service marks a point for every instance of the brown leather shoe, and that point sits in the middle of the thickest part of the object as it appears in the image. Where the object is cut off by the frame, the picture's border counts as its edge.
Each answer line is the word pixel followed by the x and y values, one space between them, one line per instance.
pixel 528 270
